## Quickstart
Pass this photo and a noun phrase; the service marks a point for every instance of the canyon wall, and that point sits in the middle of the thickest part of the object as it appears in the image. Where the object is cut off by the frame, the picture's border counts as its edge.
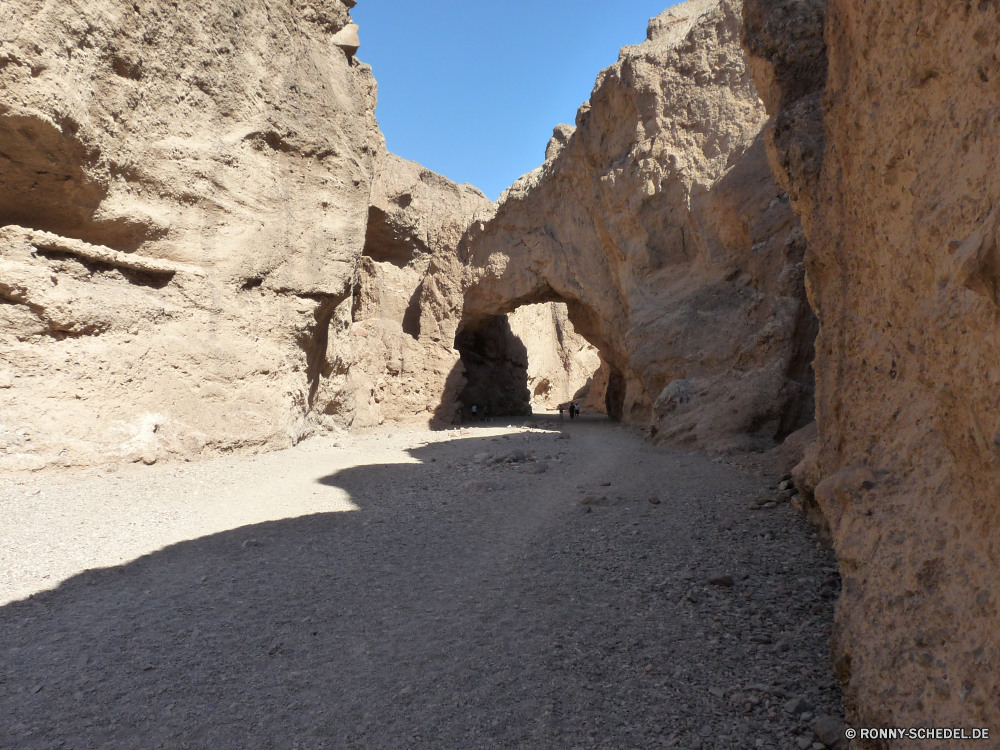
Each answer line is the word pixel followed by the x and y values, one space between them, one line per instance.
pixel 399 353
pixel 393 349
pixel 656 219
pixel 561 363
pixel 185 193
pixel 204 245
pixel 891 156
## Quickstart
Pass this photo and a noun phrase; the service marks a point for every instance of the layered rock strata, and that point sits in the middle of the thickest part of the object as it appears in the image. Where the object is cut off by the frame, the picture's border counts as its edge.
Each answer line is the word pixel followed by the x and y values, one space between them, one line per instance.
pixel 903 273
pixel 657 221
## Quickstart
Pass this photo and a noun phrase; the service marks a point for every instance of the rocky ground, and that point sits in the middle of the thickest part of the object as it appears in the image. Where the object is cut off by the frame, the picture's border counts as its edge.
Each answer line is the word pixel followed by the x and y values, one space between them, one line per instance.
pixel 494 587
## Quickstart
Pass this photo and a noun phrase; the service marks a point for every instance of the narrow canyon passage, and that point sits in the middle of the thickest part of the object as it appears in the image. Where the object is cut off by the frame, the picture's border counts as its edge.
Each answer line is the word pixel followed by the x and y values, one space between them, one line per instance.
pixel 494 587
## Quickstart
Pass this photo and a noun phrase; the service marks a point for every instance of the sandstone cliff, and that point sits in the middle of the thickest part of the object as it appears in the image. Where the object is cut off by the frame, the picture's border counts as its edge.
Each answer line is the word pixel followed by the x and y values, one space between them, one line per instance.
pixel 192 188
pixel 657 221
pixel 203 242
pixel 399 354
pixel 561 363
pixel 394 350
pixel 896 183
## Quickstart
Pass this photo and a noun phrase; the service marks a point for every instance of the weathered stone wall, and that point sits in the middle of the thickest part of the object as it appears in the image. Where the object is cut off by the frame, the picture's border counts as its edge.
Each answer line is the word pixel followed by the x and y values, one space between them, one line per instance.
pixel 397 345
pixel 657 220
pixel 561 363
pixel 400 348
pixel 903 273
pixel 231 147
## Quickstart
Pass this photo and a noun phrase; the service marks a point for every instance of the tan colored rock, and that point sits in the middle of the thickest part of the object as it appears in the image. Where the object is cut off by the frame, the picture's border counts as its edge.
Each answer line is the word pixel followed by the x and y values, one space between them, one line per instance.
pixel 658 222
pixel 902 271
pixel 395 347
pixel 399 355
pixel 347 39
pixel 185 196
pixel 561 363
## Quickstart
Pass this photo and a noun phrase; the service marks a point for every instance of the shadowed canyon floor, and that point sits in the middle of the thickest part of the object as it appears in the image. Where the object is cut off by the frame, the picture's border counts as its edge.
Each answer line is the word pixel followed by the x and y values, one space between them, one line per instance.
pixel 402 590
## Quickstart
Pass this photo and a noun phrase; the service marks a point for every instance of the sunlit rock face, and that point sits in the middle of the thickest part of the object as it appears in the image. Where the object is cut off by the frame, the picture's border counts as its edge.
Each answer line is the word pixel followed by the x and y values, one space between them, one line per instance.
pixel 895 177
pixel 562 364
pixel 657 220
pixel 396 349
pixel 186 192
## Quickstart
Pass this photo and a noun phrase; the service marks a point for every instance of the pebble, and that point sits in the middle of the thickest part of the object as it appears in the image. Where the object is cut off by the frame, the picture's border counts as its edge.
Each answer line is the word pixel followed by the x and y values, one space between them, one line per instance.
pixel 645 636
pixel 797 706
pixel 721 579
pixel 829 730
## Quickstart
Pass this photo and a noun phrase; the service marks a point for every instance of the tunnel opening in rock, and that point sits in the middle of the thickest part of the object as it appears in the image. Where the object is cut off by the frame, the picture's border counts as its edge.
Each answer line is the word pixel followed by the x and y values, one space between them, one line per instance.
pixel 496 370
pixel 527 361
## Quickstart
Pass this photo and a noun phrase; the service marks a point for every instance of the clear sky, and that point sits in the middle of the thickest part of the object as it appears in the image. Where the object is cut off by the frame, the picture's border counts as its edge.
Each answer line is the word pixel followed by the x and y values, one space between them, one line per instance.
pixel 472 89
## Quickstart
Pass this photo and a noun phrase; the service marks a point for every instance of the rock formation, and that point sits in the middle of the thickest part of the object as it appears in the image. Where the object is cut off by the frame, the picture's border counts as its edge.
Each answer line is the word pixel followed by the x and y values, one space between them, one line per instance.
pixel 400 356
pixel 561 363
pixel 185 196
pixel 394 350
pixel 203 242
pixel 657 220
pixel 895 183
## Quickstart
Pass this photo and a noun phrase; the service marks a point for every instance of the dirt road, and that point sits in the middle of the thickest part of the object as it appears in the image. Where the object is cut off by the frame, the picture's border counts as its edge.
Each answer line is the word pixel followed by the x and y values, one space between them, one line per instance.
pixel 408 591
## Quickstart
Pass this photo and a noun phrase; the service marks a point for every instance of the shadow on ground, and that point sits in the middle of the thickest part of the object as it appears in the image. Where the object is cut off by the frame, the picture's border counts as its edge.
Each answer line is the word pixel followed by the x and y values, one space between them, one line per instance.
pixel 438 615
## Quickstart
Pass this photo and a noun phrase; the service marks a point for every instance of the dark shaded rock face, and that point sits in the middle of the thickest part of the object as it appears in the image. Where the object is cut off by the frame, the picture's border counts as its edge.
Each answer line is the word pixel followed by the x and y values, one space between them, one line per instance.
pixel 496 369
pixel 902 270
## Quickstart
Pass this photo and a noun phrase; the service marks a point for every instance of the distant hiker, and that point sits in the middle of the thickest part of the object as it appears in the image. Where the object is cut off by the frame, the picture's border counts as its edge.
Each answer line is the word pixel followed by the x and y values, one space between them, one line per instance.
pixel 560 412
pixel 576 408
pixel 572 410
pixel 473 412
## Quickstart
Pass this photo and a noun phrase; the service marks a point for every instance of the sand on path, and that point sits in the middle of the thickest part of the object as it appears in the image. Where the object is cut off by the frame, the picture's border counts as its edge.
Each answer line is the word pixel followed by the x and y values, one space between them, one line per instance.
pixel 403 589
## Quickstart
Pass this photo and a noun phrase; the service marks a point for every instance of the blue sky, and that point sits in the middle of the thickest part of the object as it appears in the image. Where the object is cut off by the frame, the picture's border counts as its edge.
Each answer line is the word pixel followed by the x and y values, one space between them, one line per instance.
pixel 472 89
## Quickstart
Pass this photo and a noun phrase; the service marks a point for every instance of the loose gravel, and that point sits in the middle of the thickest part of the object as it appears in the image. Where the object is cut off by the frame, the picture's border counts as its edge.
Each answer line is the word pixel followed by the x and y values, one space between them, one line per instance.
pixel 491 588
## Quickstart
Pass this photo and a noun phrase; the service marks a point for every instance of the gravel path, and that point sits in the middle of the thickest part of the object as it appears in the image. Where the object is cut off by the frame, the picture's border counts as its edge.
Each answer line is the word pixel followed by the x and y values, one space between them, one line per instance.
pixel 397 592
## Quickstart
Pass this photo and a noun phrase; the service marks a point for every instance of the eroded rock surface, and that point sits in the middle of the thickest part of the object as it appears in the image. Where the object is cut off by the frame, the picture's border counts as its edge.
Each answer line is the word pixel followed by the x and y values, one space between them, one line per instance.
pixel 402 351
pixel 657 220
pixel 562 364
pixel 235 145
pixel 903 273
pixel 204 244
pixel 396 343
